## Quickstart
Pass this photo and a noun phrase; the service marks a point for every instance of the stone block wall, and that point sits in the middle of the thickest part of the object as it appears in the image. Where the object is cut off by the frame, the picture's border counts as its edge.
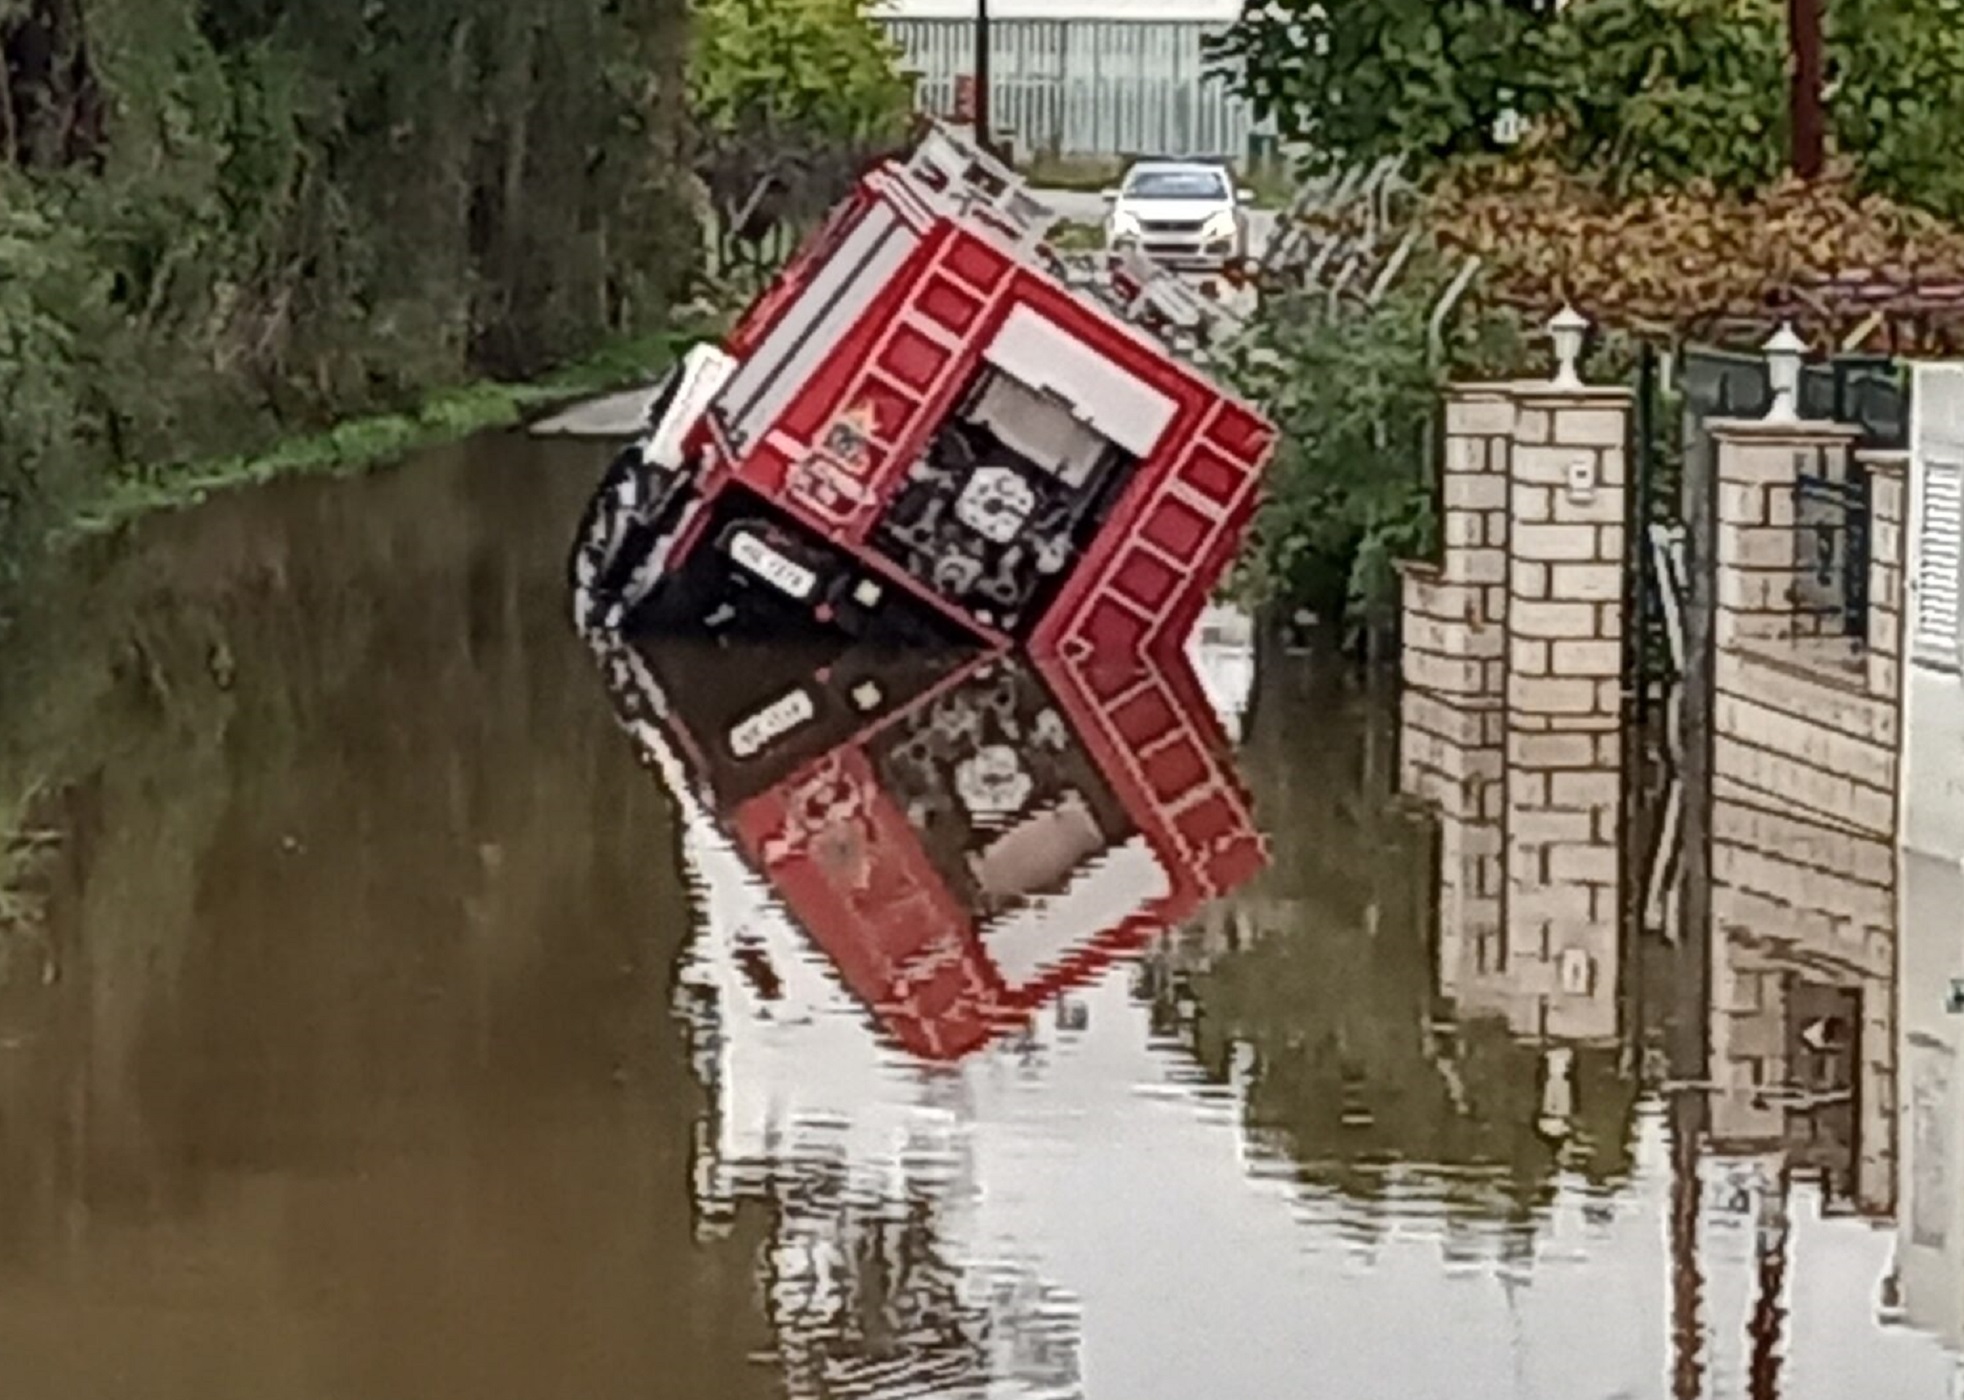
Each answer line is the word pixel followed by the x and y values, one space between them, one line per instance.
pixel 1803 722
pixel 1806 764
pixel 1565 704
pixel 1888 569
pixel 1512 729
pixel 1794 899
pixel 1455 610
pixel 1513 652
pixel 1450 758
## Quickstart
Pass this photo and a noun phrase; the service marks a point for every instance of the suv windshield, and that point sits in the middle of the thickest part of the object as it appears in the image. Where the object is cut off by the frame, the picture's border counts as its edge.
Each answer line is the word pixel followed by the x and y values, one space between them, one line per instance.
pixel 1176 184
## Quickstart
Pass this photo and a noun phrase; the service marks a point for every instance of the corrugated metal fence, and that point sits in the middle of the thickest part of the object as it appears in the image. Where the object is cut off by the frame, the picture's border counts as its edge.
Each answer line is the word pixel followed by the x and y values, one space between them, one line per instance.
pixel 1087 87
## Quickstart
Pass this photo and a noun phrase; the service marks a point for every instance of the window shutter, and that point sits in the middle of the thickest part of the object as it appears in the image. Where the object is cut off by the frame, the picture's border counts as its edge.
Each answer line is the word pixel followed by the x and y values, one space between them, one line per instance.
pixel 1939 572
pixel 1936 633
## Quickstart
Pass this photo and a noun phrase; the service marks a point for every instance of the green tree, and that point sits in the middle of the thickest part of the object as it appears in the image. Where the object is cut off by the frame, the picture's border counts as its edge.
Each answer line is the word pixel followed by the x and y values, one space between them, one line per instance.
pixel 1654 93
pixel 1897 97
pixel 793 94
pixel 221 220
pixel 1354 390
pixel 805 68
pixel 1632 94
pixel 1356 80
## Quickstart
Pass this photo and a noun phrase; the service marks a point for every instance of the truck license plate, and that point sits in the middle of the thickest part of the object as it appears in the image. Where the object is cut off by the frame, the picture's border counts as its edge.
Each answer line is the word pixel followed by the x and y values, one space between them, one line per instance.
pixel 772 722
pixel 772 567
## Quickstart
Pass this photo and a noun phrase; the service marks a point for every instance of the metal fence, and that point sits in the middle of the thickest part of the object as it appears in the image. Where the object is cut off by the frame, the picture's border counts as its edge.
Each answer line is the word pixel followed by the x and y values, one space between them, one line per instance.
pixel 1831 546
pixel 1088 87
pixel 1867 391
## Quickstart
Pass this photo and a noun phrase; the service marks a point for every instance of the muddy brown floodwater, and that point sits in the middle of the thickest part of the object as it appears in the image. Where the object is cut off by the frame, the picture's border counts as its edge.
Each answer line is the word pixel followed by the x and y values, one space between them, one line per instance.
pixel 387 1014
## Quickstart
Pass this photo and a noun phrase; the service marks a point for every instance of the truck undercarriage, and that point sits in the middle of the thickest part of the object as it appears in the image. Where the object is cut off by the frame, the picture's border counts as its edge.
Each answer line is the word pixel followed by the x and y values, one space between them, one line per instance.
pixel 920 435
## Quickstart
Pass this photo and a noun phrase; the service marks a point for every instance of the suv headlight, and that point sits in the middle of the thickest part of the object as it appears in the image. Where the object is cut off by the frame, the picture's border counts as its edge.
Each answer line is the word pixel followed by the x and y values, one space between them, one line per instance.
pixel 1219 225
pixel 1122 224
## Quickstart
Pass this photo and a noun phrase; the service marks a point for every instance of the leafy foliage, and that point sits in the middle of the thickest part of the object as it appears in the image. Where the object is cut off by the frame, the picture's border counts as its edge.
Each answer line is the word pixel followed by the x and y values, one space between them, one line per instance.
pixel 1356 80
pixel 1352 397
pixel 816 69
pixel 1663 92
pixel 1899 96
pixel 1355 393
pixel 790 98
pixel 224 220
pixel 1631 95
pixel 1690 261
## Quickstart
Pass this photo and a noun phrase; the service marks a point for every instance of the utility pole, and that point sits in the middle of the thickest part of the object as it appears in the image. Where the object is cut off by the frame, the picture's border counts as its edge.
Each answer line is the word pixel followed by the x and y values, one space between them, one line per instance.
pixel 982 129
pixel 1808 134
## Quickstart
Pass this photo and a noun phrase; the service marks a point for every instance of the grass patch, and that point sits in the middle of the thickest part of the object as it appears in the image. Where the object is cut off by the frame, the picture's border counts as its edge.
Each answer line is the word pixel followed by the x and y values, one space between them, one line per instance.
pixel 1088 174
pixel 361 444
pixel 1070 237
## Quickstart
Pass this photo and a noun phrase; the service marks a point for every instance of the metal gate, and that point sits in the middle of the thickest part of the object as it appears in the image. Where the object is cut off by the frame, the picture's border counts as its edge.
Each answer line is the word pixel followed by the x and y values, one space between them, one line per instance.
pixel 1677 396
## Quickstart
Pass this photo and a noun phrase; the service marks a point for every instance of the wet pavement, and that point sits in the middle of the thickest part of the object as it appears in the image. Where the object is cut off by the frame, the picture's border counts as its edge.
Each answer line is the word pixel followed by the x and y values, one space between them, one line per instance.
pixel 401 1001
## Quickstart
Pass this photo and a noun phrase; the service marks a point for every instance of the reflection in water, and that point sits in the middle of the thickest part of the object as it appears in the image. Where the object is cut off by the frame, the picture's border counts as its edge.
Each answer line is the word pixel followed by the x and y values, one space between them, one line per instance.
pixel 945 846
pixel 389 1033
pixel 348 1070
pixel 1780 1141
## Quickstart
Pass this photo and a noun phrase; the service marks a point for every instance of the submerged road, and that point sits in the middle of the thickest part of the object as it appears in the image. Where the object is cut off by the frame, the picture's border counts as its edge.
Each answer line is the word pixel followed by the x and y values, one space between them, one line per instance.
pixel 381 1027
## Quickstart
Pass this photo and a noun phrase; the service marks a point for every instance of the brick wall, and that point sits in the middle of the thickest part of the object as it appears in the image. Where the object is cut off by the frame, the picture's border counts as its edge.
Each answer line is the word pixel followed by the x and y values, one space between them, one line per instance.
pixel 1806 763
pixel 1455 610
pixel 1512 708
pixel 1512 718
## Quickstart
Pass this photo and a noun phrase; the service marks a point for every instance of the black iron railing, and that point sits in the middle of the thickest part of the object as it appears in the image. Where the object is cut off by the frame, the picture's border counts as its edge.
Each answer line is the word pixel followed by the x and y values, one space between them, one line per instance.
pixel 1831 545
pixel 1867 392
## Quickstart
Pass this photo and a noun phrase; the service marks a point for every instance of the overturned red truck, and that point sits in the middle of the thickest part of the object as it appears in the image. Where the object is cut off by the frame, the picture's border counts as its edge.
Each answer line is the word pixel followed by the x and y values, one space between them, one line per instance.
pixel 923 432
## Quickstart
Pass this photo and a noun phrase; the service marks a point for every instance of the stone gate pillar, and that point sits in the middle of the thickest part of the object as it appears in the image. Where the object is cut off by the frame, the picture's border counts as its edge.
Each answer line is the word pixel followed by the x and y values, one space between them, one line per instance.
pixel 1564 701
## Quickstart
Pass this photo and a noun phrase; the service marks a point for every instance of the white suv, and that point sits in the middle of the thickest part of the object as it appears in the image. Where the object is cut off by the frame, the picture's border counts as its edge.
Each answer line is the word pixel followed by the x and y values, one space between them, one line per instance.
pixel 1181 213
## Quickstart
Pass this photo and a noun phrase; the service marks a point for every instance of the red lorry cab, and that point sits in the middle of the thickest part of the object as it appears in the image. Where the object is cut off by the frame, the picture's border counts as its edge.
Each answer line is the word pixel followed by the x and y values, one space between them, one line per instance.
pixel 922 430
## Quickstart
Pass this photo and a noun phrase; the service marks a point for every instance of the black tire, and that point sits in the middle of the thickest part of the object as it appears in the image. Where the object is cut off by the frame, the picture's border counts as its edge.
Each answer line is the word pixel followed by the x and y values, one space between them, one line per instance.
pixel 607 543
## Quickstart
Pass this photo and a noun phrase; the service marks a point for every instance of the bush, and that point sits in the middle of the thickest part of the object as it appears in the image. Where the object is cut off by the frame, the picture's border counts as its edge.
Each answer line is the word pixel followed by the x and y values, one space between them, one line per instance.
pixel 1686 263
pixel 1355 80
pixel 1660 93
pixel 798 93
pixel 228 220
pixel 1898 97
pixel 1355 394
pixel 1633 96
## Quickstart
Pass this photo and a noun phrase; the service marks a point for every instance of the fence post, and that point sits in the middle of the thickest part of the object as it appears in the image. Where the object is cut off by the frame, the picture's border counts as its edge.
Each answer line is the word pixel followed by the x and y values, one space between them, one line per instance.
pixel 1687 1043
pixel 1642 585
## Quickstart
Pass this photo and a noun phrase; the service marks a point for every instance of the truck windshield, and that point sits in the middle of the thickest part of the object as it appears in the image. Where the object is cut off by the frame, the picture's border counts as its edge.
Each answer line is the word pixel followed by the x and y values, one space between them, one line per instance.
pixel 1176 184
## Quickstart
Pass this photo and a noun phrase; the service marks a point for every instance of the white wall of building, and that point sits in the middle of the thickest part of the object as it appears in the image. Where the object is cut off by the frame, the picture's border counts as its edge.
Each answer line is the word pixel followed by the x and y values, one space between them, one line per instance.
pixel 1103 79
pixel 1933 687
pixel 1930 1243
pixel 1933 768
pixel 1138 11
